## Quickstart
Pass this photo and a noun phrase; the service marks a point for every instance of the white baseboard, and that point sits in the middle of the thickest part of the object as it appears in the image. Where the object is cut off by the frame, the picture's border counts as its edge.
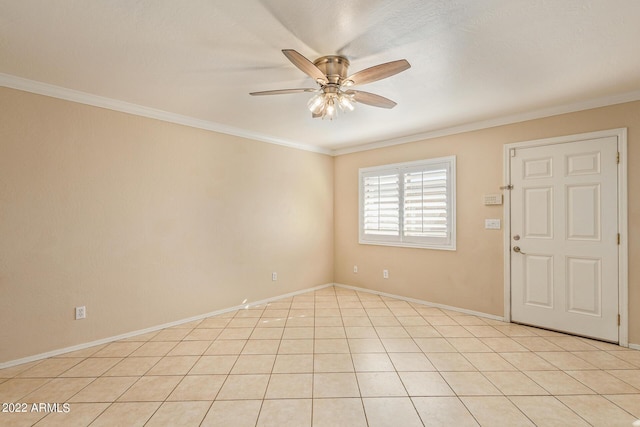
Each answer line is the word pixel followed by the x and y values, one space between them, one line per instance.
pixel 153 328
pixel 443 306
pixel 239 307
pixel 427 303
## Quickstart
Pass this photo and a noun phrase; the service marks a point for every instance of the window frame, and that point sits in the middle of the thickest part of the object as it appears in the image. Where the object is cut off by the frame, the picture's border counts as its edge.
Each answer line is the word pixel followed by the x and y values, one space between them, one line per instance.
pixel 400 240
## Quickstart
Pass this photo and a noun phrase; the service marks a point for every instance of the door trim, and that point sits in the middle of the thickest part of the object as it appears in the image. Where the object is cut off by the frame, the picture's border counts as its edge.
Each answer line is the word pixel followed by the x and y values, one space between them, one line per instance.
pixel 623 278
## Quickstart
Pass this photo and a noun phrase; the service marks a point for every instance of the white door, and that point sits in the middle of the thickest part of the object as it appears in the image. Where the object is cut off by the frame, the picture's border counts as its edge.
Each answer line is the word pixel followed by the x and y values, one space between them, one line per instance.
pixel 564 237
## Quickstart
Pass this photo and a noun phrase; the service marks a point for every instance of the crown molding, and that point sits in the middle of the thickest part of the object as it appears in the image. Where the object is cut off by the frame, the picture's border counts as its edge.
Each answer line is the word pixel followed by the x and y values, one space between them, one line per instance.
pixel 59 92
pixel 500 121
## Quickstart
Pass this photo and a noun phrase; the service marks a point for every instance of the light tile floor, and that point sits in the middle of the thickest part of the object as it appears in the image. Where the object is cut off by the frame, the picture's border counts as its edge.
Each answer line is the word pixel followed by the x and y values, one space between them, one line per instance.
pixel 334 357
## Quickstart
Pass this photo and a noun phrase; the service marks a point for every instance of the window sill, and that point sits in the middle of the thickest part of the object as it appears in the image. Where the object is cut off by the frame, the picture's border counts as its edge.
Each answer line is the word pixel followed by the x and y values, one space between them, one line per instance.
pixel 409 245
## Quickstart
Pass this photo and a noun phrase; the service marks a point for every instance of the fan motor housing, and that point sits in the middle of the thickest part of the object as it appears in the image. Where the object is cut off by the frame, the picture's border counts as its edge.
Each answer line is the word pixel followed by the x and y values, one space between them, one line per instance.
pixel 335 67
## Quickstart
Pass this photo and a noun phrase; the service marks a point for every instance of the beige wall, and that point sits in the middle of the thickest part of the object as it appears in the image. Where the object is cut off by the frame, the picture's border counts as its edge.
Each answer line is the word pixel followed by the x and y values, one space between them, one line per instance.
pixel 145 222
pixel 472 276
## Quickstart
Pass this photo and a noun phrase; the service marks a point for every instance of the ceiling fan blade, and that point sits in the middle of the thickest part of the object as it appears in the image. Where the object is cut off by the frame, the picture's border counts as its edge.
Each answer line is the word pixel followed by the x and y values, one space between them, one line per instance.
pixel 282 91
pixel 371 99
pixel 305 65
pixel 379 72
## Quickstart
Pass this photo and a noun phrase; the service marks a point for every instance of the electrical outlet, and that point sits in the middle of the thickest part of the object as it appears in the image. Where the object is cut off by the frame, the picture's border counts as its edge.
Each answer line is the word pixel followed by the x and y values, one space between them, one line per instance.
pixel 355 269
pixel 81 312
pixel 274 276
pixel 385 274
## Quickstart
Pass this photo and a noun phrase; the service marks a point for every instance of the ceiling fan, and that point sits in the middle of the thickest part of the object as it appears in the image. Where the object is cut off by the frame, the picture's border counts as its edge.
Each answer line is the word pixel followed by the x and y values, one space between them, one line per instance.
pixel 334 93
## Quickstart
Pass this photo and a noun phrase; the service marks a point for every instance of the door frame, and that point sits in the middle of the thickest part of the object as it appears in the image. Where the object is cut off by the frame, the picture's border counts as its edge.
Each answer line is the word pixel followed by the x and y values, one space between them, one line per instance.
pixel 623 278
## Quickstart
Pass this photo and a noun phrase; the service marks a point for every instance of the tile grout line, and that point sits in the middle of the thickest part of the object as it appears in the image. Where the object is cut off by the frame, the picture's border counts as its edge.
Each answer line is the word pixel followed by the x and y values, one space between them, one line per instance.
pixel 568 348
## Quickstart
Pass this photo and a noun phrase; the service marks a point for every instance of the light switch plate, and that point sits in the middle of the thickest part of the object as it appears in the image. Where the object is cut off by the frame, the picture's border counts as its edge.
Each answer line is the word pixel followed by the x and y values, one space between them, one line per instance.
pixel 492 224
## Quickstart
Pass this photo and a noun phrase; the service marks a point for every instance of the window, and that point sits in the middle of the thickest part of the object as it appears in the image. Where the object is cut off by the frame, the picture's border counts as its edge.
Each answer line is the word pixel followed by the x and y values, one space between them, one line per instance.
pixel 409 204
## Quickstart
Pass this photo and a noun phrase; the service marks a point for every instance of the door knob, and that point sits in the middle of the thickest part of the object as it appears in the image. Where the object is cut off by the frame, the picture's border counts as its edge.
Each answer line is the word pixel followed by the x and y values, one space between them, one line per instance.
pixel 517 249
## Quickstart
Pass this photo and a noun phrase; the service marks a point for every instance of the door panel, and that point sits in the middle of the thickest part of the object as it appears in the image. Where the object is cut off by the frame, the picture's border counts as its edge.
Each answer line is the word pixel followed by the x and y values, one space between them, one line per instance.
pixel 583 212
pixel 538 280
pixel 537 168
pixel 584 286
pixel 584 163
pixel 564 214
pixel 538 213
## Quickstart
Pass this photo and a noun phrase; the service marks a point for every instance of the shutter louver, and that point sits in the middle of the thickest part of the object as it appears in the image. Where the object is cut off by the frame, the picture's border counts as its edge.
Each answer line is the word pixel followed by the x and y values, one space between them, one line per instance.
pixel 382 205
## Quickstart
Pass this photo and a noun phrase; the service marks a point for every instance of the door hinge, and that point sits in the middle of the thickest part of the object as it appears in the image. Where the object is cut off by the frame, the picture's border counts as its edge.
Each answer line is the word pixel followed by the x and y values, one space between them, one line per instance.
pixel 618 158
pixel 618 320
pixel 507 187
pixel 618 238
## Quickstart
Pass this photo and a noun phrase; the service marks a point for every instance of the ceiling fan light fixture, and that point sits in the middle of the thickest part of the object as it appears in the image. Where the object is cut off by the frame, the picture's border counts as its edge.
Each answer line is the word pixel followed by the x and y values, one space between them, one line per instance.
pixel 346 102
pixel 328 105
pixel 330 111
pixel 316 103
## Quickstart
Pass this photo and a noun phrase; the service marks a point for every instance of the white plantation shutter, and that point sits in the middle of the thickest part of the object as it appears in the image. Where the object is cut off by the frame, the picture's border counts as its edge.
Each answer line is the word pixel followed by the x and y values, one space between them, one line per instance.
pixel 425 203
pixel 382 205
pixel 409 204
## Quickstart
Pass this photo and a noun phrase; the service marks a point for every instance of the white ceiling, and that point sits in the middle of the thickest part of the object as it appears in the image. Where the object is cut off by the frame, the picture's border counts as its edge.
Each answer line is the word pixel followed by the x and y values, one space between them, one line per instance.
pixel 473 61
